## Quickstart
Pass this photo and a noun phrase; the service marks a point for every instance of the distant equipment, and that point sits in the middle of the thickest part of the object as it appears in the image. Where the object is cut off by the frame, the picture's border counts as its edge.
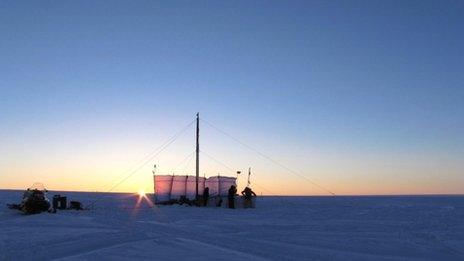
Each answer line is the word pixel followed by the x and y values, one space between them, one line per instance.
pixel 60 202
pixel 75 205
pixel 34 200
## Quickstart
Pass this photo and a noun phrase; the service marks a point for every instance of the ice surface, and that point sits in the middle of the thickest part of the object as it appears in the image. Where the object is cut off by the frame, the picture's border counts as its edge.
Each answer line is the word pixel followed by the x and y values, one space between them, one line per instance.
pixel 280 228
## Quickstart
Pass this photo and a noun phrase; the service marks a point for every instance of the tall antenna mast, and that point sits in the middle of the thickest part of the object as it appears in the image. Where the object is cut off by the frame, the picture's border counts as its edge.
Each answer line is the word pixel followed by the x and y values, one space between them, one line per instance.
pixel 197 170
pixel 154 181
pixel 249 174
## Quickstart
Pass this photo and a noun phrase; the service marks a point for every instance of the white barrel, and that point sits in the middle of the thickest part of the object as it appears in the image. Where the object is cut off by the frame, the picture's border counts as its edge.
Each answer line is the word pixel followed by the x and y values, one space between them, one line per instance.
pixel 179 184
pixel 163 185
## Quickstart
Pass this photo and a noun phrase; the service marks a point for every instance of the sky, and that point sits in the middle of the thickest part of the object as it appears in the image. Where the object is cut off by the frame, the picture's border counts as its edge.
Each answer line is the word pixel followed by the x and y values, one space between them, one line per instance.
pixel 359 97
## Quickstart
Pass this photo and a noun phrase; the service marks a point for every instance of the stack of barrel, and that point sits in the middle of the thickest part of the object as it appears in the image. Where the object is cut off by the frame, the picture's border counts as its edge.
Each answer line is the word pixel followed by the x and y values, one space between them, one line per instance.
pixel 59 202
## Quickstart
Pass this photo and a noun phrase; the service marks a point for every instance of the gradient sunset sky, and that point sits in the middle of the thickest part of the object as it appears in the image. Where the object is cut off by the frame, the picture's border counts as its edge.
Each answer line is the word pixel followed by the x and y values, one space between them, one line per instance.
pixel 361 97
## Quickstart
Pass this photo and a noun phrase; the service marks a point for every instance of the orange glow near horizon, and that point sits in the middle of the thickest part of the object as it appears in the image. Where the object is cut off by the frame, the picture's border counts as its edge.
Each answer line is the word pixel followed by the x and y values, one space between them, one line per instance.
pixel 344 174
pixel 142 183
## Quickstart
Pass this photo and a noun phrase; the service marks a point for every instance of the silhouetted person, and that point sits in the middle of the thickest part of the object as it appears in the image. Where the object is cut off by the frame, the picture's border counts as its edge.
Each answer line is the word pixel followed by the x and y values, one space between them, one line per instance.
pixel 205 196
pixel 248 194
pixel 231 196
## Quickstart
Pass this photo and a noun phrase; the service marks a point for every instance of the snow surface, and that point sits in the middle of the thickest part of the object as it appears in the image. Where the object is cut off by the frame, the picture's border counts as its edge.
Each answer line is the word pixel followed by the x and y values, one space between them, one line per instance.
pixel 280 228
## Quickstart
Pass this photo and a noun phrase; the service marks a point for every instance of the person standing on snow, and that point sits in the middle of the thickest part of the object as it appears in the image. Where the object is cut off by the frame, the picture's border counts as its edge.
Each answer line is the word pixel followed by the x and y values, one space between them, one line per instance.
pixel 231 196
pixel 205 196
pixel 247 193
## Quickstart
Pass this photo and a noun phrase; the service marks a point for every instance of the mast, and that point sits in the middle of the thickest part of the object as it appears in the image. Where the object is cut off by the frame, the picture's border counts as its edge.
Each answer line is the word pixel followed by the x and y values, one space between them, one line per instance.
pixel 197 168
pixel 249 174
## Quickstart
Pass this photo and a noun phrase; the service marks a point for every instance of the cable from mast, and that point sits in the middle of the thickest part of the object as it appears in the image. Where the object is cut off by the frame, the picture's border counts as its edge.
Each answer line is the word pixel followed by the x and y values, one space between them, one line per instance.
pixel 232 171
pixel 147 159
pixel 269 158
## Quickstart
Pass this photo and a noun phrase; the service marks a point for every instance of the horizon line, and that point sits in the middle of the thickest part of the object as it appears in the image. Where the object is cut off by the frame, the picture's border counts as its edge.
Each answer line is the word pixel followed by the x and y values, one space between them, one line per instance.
pixel 265 195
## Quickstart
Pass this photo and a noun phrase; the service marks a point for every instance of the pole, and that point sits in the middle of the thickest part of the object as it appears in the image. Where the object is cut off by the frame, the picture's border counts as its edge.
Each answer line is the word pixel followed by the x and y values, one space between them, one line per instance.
pixel 197 170
pixel 249 174
pixel 154 183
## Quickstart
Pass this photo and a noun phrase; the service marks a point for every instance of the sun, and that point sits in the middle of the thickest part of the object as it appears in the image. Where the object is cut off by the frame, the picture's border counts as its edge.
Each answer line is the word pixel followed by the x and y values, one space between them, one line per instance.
pixel 141 192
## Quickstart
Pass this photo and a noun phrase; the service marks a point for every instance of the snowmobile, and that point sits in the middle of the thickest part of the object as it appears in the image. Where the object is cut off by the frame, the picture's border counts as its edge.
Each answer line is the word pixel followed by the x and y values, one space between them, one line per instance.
pixel 34 201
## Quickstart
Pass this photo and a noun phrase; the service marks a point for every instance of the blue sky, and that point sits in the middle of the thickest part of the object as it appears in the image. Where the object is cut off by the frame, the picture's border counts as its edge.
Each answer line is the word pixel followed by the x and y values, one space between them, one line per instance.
pixel 365 91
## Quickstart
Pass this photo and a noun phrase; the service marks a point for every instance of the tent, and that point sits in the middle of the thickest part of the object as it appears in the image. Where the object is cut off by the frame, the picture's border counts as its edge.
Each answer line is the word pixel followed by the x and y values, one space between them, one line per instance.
pixel 170 187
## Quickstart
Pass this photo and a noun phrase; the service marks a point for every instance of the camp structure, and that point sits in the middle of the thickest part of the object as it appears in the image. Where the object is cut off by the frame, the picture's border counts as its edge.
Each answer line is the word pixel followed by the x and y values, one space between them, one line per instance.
pixel 189 188
pixel 172 189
